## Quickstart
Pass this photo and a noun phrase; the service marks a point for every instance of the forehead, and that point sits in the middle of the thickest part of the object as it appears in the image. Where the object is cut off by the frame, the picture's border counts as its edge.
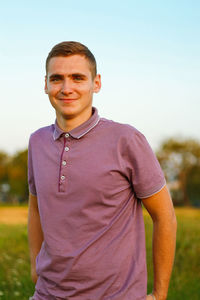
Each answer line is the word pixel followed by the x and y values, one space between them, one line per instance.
pixel 68 65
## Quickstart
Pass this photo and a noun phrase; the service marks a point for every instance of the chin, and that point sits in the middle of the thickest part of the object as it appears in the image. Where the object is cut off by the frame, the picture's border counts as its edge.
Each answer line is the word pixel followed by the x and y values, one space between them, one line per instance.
pixel 69 115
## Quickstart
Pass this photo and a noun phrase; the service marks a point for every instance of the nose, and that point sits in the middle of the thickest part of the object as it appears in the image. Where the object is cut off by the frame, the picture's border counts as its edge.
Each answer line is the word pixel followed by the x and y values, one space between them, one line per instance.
pixel 66 87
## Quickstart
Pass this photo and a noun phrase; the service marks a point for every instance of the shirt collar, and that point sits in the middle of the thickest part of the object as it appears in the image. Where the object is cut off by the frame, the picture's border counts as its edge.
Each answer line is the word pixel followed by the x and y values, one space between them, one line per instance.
pixel 81 130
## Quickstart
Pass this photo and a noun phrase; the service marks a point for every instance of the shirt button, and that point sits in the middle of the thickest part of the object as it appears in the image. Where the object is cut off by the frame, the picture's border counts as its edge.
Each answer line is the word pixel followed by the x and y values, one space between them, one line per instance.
pixel 66 148
pixel 62 177
pixel 66 135
pixel 64 163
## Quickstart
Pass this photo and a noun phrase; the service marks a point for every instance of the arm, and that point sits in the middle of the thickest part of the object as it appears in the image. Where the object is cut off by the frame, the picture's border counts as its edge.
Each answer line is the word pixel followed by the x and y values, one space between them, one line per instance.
pixel 35 234
pixel 161 210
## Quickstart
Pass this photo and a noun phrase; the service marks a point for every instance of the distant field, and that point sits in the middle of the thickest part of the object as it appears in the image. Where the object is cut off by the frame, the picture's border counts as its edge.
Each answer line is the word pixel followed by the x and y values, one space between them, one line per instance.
pixel 15 280
pixel 13 215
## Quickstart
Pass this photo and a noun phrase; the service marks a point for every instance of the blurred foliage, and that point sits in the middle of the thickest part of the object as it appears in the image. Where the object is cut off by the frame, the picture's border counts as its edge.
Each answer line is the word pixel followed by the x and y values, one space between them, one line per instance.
pixel 4 159
pixel 17 175
pixel 193 185
pixel 180 161
pixel 13 177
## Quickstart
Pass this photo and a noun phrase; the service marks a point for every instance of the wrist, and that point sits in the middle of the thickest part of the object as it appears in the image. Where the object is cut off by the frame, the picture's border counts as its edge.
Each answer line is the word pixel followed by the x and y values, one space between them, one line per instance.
pixel 157 296
pixel 153 296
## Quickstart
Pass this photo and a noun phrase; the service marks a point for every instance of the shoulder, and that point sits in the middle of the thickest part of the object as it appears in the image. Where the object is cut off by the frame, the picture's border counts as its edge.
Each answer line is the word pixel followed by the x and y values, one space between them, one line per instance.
pixel 121 130
pixel 129 141
pixel 42 133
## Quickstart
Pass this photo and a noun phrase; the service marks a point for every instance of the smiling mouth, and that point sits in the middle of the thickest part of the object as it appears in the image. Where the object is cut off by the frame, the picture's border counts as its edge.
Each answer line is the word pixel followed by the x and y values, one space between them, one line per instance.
pixel 67 100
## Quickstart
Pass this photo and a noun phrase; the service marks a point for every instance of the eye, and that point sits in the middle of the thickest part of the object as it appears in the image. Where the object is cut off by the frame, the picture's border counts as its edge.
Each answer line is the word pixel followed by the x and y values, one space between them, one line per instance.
pixel 77 78
pixel 54 79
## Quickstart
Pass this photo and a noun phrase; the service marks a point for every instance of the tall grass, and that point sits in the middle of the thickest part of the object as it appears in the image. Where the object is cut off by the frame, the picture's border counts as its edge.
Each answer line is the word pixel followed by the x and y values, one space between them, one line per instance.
pixel 185 280
pixel 15 282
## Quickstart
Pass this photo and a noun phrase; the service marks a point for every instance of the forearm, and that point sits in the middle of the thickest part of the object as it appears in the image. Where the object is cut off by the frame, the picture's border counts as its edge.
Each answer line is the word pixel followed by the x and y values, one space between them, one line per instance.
pixel 164 241
pixel 35 234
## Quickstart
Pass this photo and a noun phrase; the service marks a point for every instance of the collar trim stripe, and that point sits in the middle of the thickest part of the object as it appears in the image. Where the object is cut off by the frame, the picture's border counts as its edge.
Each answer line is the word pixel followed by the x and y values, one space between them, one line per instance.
pixel 78 137
pixel 79 131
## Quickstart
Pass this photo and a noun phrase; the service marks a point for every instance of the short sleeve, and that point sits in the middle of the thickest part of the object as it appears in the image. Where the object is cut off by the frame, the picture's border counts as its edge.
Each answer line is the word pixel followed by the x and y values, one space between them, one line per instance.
pixel 31 180
pixel 146 174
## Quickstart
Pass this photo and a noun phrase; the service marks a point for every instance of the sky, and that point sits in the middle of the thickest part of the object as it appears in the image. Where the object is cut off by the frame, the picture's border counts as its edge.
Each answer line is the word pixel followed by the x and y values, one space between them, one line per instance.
pixel 147 52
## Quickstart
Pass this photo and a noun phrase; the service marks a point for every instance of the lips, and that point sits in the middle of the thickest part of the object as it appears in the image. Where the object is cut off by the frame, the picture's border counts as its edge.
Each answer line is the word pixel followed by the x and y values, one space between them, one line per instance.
pixel 67 100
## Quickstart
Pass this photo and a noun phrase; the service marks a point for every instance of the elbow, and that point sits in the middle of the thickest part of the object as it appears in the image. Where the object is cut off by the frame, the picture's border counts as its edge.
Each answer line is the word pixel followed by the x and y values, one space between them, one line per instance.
pixel 167 221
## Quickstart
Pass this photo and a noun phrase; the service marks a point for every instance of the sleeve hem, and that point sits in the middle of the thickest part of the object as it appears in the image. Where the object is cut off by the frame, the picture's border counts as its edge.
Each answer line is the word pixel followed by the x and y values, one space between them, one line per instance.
pixel 32 193
pixel 153 193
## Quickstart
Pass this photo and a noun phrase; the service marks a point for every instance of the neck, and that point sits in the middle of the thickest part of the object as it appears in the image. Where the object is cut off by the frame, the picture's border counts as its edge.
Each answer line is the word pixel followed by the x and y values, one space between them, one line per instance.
pixel 68 124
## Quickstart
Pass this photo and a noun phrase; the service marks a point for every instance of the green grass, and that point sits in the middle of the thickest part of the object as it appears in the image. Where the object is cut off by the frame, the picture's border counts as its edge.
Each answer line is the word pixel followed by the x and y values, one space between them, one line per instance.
pixel 15 282
pixel 185 280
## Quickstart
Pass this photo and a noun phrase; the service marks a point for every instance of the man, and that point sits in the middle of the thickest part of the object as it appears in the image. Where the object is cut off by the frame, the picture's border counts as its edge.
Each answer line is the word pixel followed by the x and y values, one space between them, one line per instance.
pixel 87 178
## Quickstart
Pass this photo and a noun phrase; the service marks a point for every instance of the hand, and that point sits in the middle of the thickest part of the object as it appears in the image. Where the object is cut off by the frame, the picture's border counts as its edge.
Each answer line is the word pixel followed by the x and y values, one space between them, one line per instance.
pixel 149 297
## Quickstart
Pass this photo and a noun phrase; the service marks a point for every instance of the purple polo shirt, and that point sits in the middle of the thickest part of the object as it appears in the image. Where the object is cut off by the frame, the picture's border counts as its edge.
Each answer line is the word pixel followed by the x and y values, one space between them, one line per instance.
pixel 88 183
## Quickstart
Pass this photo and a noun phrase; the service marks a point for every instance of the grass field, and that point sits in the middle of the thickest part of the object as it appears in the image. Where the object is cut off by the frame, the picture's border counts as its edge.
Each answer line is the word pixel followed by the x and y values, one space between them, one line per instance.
pixel 15 280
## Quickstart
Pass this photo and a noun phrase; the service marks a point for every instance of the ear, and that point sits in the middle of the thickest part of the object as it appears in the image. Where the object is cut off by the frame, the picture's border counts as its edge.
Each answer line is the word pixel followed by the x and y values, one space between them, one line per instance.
pixel 97 83
pixel 45 85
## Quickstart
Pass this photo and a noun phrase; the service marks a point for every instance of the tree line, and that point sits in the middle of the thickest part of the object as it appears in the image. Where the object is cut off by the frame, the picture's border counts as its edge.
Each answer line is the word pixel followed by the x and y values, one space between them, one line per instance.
pixel 179 159
pixel 13 177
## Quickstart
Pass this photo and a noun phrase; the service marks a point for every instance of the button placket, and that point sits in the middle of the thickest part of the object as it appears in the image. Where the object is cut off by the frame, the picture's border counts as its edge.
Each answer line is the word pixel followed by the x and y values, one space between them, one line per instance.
pixel 63 166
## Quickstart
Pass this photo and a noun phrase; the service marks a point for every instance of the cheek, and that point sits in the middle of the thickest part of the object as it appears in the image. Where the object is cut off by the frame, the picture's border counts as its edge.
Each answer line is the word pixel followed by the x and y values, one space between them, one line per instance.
pixel 85 90
pixel 53 90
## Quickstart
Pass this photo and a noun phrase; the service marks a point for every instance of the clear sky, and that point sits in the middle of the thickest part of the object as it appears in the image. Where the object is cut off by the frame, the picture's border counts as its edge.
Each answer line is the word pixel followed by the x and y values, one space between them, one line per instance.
pixel 148 53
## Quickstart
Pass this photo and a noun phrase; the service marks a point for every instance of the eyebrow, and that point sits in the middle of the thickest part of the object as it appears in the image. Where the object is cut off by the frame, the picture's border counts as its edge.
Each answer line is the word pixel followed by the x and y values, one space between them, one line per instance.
pixel 60 76
pixel 53 76
pixel 78 75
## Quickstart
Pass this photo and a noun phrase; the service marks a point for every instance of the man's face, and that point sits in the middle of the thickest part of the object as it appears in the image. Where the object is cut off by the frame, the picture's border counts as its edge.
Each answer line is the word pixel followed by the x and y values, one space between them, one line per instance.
pixel 70 86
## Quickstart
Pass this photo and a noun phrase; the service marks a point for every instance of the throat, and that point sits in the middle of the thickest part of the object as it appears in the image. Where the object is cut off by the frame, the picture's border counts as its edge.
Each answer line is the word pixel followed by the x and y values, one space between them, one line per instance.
pixel 67 123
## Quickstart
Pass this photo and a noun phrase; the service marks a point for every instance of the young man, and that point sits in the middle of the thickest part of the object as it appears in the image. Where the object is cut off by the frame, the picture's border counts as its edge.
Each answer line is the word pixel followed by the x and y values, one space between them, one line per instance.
pixel 87 179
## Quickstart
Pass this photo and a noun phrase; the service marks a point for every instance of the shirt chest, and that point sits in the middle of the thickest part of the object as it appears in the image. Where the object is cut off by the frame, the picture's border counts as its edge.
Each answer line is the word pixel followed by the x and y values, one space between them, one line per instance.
pixel 69 165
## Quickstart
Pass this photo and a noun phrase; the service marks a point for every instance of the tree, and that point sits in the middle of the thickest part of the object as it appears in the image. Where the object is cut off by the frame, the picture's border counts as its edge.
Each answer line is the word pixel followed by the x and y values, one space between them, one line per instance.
pixel 4 158
pixel 17 175
pixel 4 187
pixel 179 160
pixel 193 185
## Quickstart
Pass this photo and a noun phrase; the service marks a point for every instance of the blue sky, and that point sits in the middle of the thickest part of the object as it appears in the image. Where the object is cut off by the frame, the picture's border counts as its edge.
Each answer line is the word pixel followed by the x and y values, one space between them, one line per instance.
pixel 147 53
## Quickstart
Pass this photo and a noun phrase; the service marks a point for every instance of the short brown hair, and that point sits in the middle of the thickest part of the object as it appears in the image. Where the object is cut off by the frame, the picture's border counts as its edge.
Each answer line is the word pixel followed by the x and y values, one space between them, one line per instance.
pixel 73 48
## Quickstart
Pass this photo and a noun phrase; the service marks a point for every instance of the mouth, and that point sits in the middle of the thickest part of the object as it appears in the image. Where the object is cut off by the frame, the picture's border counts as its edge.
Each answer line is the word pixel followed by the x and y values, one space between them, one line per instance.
pixel 67 100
